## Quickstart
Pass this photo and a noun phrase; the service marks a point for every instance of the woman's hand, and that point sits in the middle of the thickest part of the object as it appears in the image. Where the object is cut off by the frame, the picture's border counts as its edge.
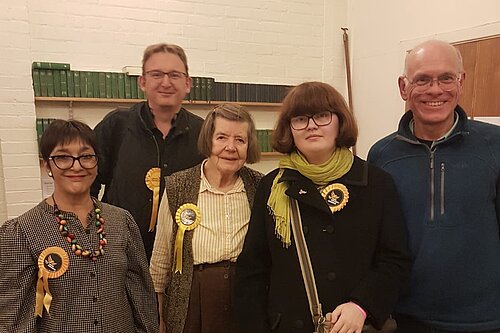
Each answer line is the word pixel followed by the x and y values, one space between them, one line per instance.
pixel 346 318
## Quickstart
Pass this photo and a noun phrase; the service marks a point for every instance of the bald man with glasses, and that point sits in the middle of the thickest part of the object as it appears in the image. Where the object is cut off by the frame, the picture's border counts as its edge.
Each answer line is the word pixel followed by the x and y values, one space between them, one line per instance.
pixel 447 172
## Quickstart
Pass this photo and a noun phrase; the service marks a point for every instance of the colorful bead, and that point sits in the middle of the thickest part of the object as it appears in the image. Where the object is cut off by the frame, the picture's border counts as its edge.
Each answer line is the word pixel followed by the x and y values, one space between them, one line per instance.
pixel 71 238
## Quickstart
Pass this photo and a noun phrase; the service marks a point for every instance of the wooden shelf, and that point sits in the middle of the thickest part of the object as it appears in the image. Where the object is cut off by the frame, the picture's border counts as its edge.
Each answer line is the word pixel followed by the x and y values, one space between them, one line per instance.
pixel 270 154
pixel 133 101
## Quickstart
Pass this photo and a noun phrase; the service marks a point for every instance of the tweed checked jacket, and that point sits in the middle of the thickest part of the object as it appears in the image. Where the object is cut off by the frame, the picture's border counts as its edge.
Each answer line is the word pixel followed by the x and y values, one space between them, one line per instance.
pixel 179 289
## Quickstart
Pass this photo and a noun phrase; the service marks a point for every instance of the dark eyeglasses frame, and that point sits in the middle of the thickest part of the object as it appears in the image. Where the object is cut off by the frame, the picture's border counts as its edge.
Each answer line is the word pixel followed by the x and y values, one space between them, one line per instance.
pixel 54 159
pixel 309 117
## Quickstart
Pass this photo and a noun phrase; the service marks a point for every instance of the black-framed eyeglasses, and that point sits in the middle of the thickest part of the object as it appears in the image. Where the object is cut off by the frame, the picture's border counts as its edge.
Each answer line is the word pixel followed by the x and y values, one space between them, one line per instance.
pixel 172 75
pixel 320 119
pixel 446 81
pixel 65 162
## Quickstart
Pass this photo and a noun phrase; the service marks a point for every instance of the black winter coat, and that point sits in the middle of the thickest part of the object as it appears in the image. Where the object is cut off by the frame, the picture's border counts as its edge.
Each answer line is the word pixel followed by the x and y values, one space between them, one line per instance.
pixel 129 148
pixel 358 253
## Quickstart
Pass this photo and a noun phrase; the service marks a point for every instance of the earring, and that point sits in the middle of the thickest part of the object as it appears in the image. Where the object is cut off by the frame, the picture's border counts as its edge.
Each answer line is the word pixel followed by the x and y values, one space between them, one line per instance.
pixel 50 174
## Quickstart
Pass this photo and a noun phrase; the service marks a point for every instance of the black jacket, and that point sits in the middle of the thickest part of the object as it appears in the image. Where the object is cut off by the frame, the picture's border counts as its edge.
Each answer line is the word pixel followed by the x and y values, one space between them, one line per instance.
pixel 130 145
pixel 358 253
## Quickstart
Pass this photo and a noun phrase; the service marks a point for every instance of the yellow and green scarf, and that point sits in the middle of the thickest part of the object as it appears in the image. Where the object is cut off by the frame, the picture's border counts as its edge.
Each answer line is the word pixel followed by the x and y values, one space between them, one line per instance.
pixel 321 174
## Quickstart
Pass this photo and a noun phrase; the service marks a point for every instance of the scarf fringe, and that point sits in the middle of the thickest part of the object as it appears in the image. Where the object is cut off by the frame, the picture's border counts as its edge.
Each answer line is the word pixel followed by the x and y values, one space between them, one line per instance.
pixel 282 228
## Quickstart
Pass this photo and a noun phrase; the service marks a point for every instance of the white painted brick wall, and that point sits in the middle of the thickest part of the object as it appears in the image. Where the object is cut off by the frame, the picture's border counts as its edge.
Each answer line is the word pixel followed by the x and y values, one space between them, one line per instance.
pixel 21 182
pixel 278 41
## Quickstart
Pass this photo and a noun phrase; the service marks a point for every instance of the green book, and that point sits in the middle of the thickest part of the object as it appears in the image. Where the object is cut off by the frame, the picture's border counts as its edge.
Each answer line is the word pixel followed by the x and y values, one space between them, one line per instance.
pixel 133 86
pixel 210 86
pixel 264 141
pixel 50 65
pixel 39 128
pixel 109 88
pixel 128 89
pixel 71 83
pixel 43 83
pixel 197 89
pixel 63 83
pixel 89 81
pixel 83 83
pixel 203 88
pixel 35 74
pixel 269 135
pixel 95 83
pixel 114 85
pixel 259 140
pixel 45 124
pixel 101 84
pixel 76 82
pixel 50 82
pixel 121 85
pixel 57 83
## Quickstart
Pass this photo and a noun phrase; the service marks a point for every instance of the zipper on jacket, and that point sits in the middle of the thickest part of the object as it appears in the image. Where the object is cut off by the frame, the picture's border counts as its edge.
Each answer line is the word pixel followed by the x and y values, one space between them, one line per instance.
pixel 432 186
pixel 442 188
pixel 158 153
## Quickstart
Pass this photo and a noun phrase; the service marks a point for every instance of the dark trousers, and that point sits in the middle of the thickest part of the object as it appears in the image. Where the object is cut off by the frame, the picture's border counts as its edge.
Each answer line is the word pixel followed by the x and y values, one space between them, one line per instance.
pixel 211 300
pixel 408 324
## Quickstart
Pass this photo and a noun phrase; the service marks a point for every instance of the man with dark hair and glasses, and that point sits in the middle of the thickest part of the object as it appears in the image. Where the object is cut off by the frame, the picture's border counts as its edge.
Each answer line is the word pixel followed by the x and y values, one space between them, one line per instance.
pixel 447 171
pixel 150 140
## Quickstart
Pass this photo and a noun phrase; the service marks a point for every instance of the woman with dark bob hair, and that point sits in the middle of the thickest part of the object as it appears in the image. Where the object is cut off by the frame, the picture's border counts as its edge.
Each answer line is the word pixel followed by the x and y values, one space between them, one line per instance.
pixel 72 263
pixel 351 220
pixel 202 223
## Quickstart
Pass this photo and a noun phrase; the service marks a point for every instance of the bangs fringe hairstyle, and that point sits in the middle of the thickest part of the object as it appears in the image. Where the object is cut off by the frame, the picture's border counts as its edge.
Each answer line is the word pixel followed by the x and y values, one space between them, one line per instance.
pixel 63 132
pixel 310 98
pixel 233 112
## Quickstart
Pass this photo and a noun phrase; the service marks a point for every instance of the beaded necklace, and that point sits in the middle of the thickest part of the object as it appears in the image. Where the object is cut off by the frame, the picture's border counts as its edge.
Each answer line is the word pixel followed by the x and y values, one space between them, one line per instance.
pixel 70 237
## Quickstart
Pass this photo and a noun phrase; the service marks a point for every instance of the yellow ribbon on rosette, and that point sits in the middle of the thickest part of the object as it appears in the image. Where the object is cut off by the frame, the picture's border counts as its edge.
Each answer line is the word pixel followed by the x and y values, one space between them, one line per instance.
pixel 336 196
pixel 187 217
pixel 52 263
pixel 153 183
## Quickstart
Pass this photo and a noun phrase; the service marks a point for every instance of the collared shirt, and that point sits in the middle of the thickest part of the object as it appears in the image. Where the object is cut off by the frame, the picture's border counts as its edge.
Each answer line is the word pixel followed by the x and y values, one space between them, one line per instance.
pixel 433 143
pixel 220 235
pixel 149 119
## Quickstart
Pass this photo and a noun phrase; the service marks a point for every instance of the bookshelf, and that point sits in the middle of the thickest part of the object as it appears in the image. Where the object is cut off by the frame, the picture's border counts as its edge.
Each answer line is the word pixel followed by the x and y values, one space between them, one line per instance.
pixel 133 101
pixel 92 110
pixel 88 96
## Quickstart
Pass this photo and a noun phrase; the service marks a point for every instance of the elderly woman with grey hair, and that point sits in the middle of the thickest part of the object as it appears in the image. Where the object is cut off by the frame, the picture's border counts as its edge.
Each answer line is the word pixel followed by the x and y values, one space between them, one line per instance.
pixel 202 224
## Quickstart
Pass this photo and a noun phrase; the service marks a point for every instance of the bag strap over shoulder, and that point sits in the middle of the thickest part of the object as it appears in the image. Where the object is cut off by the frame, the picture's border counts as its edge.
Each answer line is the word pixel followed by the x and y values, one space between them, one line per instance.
pixel 306 266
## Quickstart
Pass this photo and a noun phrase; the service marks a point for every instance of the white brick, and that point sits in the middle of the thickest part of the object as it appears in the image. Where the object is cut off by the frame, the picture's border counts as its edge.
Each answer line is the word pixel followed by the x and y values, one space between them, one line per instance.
pixel 21 172
pixel 27 197
pixel 16 160
pixel 23 184
pixel 25 147
pixel 18 134
pixel 16 121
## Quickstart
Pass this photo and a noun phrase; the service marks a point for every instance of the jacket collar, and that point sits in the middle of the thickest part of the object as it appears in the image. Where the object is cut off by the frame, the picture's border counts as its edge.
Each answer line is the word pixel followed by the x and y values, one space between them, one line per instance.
pixel 304 190
pixel 461 129
pixel 179 125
